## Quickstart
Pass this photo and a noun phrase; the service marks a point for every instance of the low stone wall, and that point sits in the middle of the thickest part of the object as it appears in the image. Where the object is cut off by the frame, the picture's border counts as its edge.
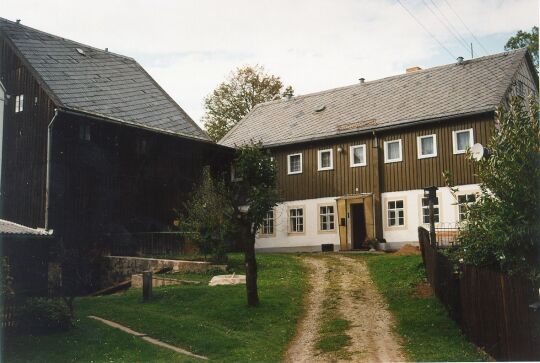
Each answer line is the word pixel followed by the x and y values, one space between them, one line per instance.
pixel 120 268
pixel 157 281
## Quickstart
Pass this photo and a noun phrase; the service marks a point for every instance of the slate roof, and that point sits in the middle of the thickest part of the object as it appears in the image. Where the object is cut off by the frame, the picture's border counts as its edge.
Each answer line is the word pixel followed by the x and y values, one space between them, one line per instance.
pixel 99 82
pixel 474 86
pixel 11 228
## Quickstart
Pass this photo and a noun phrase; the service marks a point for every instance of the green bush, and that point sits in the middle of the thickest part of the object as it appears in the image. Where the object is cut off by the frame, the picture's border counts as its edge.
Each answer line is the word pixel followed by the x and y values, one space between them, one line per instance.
pixel 40 314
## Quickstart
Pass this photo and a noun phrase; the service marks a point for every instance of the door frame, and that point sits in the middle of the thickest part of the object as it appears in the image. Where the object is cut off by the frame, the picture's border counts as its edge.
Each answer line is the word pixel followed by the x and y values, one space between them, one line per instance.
pixel 344 217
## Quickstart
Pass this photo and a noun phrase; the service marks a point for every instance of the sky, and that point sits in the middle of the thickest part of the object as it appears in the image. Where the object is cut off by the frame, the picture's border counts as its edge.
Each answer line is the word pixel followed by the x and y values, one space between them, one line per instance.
pixel 190 46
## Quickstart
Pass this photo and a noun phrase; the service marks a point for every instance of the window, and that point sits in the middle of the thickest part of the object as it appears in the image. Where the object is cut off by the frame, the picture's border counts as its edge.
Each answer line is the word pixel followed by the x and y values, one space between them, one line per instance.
pixel 326 161
pixel 294 163
pixel 464 201
pixel 396 213
pixel 141 146
pixel 19 103
pixel 427 146
pixel 463 140
pixel 326 216
pixel 296 220
pixel 235 174
pixel 358 155
pixel 268 223
pixel 392 151
pixel 84 133
pixel 425 210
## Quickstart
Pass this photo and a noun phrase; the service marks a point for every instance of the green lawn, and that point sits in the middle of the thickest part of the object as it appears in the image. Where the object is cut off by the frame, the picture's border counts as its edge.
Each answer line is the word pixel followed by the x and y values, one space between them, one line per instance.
pixel 211 321
pixel 428 332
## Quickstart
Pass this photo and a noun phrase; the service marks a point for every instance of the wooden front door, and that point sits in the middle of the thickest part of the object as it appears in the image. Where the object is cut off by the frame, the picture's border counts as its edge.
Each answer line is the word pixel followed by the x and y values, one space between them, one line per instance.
pixel 358 226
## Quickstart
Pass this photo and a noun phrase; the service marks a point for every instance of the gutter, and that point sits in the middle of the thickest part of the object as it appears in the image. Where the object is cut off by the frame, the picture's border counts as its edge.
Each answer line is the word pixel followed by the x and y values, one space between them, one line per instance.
pixel 48 180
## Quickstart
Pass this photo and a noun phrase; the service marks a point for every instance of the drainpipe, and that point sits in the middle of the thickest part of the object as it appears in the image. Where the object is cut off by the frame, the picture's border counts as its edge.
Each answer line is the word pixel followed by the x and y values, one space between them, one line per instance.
pixel 48 180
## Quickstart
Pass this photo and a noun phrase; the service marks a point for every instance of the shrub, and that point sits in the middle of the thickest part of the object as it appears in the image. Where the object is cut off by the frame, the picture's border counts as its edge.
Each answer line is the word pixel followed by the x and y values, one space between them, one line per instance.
pixel 502 228
pixel 38 314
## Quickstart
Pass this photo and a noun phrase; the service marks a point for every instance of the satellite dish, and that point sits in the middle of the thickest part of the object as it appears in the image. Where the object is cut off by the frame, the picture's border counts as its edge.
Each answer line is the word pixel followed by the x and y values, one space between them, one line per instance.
pixel 479 152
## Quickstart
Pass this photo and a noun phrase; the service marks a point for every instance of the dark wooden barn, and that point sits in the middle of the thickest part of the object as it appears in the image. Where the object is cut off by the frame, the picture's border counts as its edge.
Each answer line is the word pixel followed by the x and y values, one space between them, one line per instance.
pixel 91 144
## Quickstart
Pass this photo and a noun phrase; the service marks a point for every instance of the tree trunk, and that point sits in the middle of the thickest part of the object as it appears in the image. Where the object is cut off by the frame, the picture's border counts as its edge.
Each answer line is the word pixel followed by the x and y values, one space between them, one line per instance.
pixel 251 266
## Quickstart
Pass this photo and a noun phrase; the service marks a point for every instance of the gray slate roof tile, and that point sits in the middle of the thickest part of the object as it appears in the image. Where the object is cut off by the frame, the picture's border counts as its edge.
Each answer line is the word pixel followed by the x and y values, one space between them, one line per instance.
pixel 476 85
pixel 99 82
pixel 11 228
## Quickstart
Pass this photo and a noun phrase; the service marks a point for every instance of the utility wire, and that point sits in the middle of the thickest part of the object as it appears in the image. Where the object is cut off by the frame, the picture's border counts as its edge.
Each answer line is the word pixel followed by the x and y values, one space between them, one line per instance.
pixel 455 34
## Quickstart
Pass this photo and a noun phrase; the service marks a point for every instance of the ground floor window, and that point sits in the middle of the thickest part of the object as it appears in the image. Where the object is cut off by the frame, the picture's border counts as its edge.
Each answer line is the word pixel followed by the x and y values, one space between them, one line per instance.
pixel 396 213
pixel 464 201
pixel 268 223
pixel 326 217
pixel 425 210
pixel 296 220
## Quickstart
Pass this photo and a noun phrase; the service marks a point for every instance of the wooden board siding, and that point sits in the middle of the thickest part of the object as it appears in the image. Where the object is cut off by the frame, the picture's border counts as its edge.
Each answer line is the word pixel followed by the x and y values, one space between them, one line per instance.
pixel 411 173
pixel 317 184
pixel 24 143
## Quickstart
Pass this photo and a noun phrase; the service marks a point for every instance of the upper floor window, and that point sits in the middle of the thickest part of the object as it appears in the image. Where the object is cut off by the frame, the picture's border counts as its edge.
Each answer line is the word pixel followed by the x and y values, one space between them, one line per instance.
pixel 19 103
pixel 296 220
pixel 236 175
pixel 427 146
pixel 392 151
pixel 294 163
pixel 267 227
pixel 326 161
pixel 85 132
pixel 358 155
pixel 141 146
pixel 462 140
pixel 425 210
pixel 326 216
pixel 396 213
pixel 464 200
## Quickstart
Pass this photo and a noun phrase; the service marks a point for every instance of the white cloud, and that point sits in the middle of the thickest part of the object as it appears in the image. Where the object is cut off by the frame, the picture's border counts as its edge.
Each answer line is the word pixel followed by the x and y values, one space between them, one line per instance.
pixel 190 46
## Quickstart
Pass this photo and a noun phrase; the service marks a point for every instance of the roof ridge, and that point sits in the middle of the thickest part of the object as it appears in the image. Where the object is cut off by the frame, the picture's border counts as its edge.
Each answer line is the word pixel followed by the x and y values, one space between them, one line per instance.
pixel 66 39
pixel 395 76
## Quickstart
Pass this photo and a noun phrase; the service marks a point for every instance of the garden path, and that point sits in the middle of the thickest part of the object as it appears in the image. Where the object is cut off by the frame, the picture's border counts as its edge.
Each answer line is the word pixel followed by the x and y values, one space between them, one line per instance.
pixel 372 338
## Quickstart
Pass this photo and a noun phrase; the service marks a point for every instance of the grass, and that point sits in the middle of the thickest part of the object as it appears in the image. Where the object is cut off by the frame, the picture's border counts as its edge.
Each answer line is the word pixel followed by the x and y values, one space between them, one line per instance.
pixel 428 332
pixel 333 336
pixel 210 321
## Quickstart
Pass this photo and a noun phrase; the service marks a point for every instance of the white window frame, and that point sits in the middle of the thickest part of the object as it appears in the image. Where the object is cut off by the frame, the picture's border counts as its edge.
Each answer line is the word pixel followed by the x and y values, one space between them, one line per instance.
pixel 351 155
pixel 419 146
pixel 327 215
pixel 435 206
pixel 19 103
pixel 319 159
pixel 404 209
pixel 303 218
pixel 386 159
pixel 454 140
pixel 459 205
pixel 266 219
pixel 289 172
pixel 234 176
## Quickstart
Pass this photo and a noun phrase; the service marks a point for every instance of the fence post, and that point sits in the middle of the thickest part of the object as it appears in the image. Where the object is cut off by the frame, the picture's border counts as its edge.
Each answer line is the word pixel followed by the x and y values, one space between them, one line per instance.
pixel 147 285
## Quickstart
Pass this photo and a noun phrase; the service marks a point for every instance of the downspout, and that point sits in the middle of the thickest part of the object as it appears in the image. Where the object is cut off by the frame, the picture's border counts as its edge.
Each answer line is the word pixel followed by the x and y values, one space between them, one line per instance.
pixel 48 180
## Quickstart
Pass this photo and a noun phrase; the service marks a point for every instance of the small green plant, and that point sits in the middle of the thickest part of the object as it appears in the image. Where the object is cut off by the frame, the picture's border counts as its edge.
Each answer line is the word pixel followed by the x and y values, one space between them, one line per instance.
pixel 39 314
pixel 209 216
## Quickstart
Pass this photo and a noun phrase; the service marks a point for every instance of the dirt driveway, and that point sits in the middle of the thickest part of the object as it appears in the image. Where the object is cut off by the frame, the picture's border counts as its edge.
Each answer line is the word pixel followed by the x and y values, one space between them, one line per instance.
pixel 357 301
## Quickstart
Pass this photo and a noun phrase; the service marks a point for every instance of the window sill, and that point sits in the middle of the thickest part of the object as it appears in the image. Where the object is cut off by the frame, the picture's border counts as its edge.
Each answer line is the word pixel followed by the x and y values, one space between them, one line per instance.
pixel 427 156
pixel 294 172
pixel 393 161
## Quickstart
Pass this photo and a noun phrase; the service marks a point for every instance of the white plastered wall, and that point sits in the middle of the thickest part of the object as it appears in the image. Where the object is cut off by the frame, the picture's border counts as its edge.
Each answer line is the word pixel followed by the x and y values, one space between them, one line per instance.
pixel 311 239
pixel 448 212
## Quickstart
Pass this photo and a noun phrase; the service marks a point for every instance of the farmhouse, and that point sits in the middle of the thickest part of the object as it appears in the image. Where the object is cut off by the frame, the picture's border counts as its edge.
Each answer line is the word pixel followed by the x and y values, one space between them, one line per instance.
pixel 353 161
pixel 91 144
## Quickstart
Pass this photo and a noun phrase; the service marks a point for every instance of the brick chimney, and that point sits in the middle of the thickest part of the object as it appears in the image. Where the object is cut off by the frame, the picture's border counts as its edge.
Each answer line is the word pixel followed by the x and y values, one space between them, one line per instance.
pixel 413 69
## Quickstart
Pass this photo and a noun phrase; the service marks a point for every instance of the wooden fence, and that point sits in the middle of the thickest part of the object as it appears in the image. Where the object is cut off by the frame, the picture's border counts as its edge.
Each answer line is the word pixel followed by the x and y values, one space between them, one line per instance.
pixel 8 314
pixel 493 309
pixel 150 244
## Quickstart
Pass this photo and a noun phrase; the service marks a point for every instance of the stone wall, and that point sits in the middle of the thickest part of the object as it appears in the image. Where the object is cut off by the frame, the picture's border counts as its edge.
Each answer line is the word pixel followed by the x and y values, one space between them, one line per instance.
pixel 120 268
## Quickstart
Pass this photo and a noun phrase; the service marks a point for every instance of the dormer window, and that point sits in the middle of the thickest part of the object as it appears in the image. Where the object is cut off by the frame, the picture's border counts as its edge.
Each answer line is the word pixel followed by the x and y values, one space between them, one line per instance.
pixel 19 103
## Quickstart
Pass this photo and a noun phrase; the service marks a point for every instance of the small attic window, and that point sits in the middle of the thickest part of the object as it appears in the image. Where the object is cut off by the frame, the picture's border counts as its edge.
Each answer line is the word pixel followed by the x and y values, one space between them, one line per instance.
pixel 80 51
pixel 320 108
